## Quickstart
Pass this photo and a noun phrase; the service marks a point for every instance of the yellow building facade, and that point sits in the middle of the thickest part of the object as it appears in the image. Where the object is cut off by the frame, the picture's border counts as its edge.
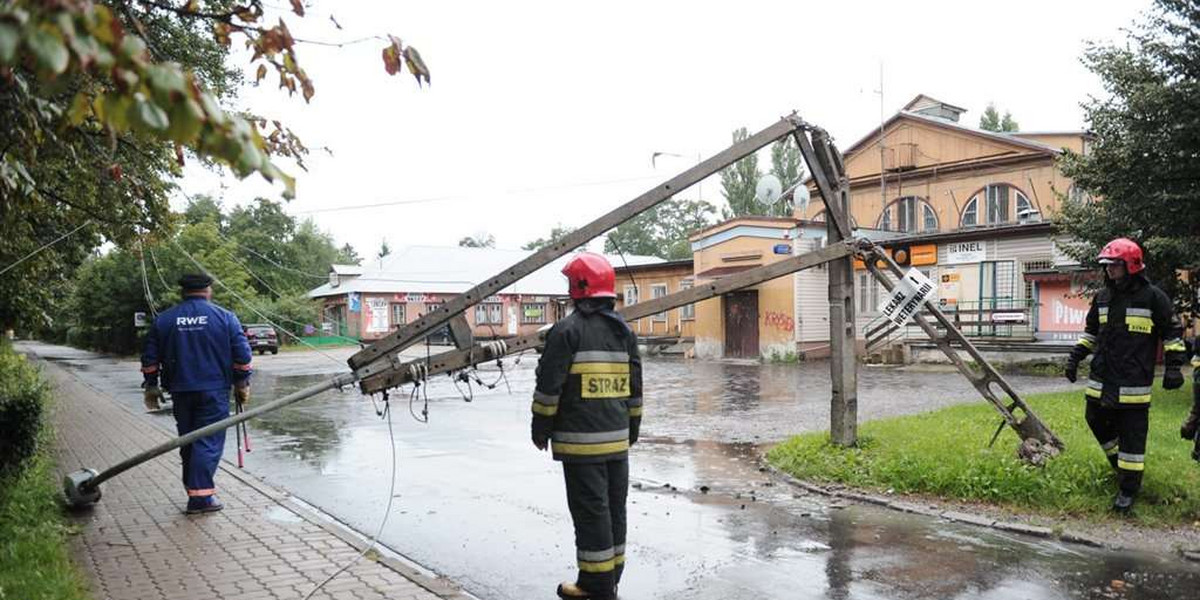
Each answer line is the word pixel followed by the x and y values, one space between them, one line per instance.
pixel 754 322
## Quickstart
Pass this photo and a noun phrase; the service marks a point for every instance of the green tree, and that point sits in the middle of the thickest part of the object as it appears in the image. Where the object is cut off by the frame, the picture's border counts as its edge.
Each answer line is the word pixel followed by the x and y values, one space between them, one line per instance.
pixel 557 233
pixel 482 239
pixel 739 181
pixel 202 208
pixel 100 102
pixel 991 120
pixel 661 231
pixel 347 255
pixel 787 166
pixel 1142 167
pixel 384 250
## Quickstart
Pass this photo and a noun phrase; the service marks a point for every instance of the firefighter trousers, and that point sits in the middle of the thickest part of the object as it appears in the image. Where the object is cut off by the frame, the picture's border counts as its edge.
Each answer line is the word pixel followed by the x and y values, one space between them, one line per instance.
pixel 596 498
pixel 200 458
pixel 1121 433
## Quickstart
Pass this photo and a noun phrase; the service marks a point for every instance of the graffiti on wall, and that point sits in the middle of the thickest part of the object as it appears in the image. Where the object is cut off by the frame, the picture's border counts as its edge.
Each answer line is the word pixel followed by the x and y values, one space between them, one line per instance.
pixel 778 320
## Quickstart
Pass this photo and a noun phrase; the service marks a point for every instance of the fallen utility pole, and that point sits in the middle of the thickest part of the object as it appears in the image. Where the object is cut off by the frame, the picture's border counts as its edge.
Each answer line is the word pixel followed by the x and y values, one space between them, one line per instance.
pixel 460 359
pixel 380 356
pixel 1038 442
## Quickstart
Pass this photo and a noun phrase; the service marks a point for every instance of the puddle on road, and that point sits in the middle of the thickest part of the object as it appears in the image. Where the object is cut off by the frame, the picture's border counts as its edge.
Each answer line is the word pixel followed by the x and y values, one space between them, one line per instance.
pixel 705 522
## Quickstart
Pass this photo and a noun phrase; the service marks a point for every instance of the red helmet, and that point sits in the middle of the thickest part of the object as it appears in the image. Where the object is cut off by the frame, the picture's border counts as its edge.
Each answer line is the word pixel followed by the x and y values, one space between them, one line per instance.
pixel 590 276
pixel 1124 250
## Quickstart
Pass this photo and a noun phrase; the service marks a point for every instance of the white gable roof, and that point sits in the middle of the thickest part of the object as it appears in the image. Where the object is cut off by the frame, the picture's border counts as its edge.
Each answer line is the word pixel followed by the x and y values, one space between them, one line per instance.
pixel 453 270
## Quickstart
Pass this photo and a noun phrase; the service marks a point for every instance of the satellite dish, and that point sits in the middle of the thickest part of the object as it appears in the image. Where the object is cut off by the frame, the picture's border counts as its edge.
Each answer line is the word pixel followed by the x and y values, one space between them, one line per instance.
pixel 768 190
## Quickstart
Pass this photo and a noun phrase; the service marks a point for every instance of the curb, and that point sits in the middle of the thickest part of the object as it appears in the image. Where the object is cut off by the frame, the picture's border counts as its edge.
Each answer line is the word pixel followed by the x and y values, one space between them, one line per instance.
pixel 1073 537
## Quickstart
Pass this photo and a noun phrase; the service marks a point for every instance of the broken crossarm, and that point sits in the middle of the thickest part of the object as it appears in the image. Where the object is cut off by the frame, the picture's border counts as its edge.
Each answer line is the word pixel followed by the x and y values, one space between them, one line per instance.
pixel 1038 442
pixel 454 360
pixel 371 361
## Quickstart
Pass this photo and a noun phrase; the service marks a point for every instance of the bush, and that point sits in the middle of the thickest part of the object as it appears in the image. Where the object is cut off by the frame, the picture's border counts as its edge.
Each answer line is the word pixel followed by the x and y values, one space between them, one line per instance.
pixel 22 397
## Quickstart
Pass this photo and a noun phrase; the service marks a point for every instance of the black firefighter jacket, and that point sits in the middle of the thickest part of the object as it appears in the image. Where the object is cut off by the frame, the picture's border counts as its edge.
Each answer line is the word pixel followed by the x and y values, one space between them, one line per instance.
pixel 1124 326
pixel 588 398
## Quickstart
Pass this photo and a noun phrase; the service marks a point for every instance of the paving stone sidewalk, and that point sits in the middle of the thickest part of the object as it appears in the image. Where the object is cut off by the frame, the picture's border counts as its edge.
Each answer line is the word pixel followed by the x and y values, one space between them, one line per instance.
pixel 138 544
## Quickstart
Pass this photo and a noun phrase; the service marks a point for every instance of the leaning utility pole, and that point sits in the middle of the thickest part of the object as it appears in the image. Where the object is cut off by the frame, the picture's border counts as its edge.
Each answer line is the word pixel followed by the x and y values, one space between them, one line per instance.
pixel 830 177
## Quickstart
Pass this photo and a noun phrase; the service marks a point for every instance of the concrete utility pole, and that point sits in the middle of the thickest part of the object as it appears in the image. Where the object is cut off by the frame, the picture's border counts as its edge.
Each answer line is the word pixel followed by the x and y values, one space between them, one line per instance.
pixel 843 358
pixel 830 176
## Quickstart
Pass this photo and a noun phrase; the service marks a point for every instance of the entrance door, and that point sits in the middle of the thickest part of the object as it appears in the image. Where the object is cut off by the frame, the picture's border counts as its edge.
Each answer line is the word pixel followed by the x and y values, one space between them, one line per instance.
pixel 741 324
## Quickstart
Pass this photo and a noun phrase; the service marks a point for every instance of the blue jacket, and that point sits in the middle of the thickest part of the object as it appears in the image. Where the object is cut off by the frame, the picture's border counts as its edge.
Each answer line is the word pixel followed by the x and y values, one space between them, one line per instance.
pixel 196 346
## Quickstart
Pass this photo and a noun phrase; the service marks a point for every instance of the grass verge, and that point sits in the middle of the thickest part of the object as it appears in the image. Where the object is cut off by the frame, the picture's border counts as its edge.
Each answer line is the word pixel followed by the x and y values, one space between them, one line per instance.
pixel 34 561
pixel 944 453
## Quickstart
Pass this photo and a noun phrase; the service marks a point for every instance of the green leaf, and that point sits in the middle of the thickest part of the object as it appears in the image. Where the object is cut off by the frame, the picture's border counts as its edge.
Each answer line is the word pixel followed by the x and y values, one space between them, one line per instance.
pixel 165 78
pixel 151 116
pixel 80 109
pixel 10 37
pixel 49 50
pixel 186 121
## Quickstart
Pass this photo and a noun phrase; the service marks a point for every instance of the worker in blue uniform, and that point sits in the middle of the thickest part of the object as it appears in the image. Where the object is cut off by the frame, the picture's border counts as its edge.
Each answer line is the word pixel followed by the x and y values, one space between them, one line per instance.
pixel 197 350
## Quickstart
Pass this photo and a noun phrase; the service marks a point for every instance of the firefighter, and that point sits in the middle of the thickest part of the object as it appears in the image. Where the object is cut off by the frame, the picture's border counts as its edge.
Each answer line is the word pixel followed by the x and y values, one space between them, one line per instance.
pixel 587 407
pixel 1190 429
pixel 197 350
pixel 1127 319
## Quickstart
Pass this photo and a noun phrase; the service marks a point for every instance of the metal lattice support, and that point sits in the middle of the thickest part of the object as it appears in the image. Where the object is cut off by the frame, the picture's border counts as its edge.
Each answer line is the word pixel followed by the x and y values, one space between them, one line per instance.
pixel 1038 442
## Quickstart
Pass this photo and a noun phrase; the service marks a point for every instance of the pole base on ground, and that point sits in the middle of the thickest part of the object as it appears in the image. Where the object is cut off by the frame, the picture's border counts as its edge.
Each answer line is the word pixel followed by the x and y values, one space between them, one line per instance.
pixel 77 490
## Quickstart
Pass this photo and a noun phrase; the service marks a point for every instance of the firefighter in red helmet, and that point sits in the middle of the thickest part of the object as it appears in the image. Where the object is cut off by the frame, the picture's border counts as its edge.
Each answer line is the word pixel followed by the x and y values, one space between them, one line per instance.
pixel 1127 319
pixel 587 407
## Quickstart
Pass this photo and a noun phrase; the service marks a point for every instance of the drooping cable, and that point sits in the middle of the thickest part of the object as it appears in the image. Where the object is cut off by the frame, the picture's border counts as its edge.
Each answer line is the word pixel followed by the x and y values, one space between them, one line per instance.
pixel 44 246
pixel 387 511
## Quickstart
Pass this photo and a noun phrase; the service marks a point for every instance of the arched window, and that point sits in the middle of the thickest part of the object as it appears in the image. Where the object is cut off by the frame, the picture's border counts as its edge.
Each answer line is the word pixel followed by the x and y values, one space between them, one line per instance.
pixel 909 214
pixel 997 204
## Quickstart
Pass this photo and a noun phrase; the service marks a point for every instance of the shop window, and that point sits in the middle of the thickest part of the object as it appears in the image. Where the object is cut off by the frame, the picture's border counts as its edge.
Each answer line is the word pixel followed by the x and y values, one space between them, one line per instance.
pixel 687 312
pixel 658 290
pixel 997 204
pixel 533 313
pixel 909 214
pixel 490 313
pixel 398 315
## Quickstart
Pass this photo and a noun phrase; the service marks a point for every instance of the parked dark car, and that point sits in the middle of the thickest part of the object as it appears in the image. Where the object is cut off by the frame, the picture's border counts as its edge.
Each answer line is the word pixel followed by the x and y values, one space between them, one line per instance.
pixel 262 338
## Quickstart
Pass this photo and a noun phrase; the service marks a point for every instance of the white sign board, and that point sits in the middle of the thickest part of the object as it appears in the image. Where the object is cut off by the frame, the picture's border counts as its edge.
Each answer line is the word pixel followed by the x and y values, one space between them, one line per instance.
pixel 908 296
pixel 139 319
pixel 377 317
pixel 966 252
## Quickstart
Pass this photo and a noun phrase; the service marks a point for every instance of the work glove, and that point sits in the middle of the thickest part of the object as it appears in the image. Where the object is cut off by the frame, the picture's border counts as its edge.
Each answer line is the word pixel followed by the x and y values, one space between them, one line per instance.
pixel 1072 370
pixel 1172 378
pixel 1190 424
pixel 242 394
pixel 152 397
pixel 540 433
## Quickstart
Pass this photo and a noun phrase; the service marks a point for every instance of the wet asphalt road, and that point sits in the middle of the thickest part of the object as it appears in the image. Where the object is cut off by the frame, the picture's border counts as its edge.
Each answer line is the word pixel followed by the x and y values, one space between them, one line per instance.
pixel 477 503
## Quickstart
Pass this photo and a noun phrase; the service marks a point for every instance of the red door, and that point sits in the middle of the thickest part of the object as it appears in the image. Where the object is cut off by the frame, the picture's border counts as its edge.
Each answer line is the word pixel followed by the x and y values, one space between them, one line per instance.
pixel 741 324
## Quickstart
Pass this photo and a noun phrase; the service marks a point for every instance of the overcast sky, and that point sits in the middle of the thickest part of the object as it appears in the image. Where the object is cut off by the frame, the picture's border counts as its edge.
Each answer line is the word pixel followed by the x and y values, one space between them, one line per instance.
pixel 548 112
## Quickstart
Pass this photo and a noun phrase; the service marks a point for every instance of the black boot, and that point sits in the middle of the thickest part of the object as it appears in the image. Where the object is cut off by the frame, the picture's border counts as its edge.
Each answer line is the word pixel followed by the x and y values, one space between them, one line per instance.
pixel 1123 504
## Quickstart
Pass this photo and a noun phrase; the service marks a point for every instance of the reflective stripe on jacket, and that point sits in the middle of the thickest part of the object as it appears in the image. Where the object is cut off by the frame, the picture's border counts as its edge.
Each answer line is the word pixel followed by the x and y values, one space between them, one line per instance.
pixel 1124 327
pixel 589 387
